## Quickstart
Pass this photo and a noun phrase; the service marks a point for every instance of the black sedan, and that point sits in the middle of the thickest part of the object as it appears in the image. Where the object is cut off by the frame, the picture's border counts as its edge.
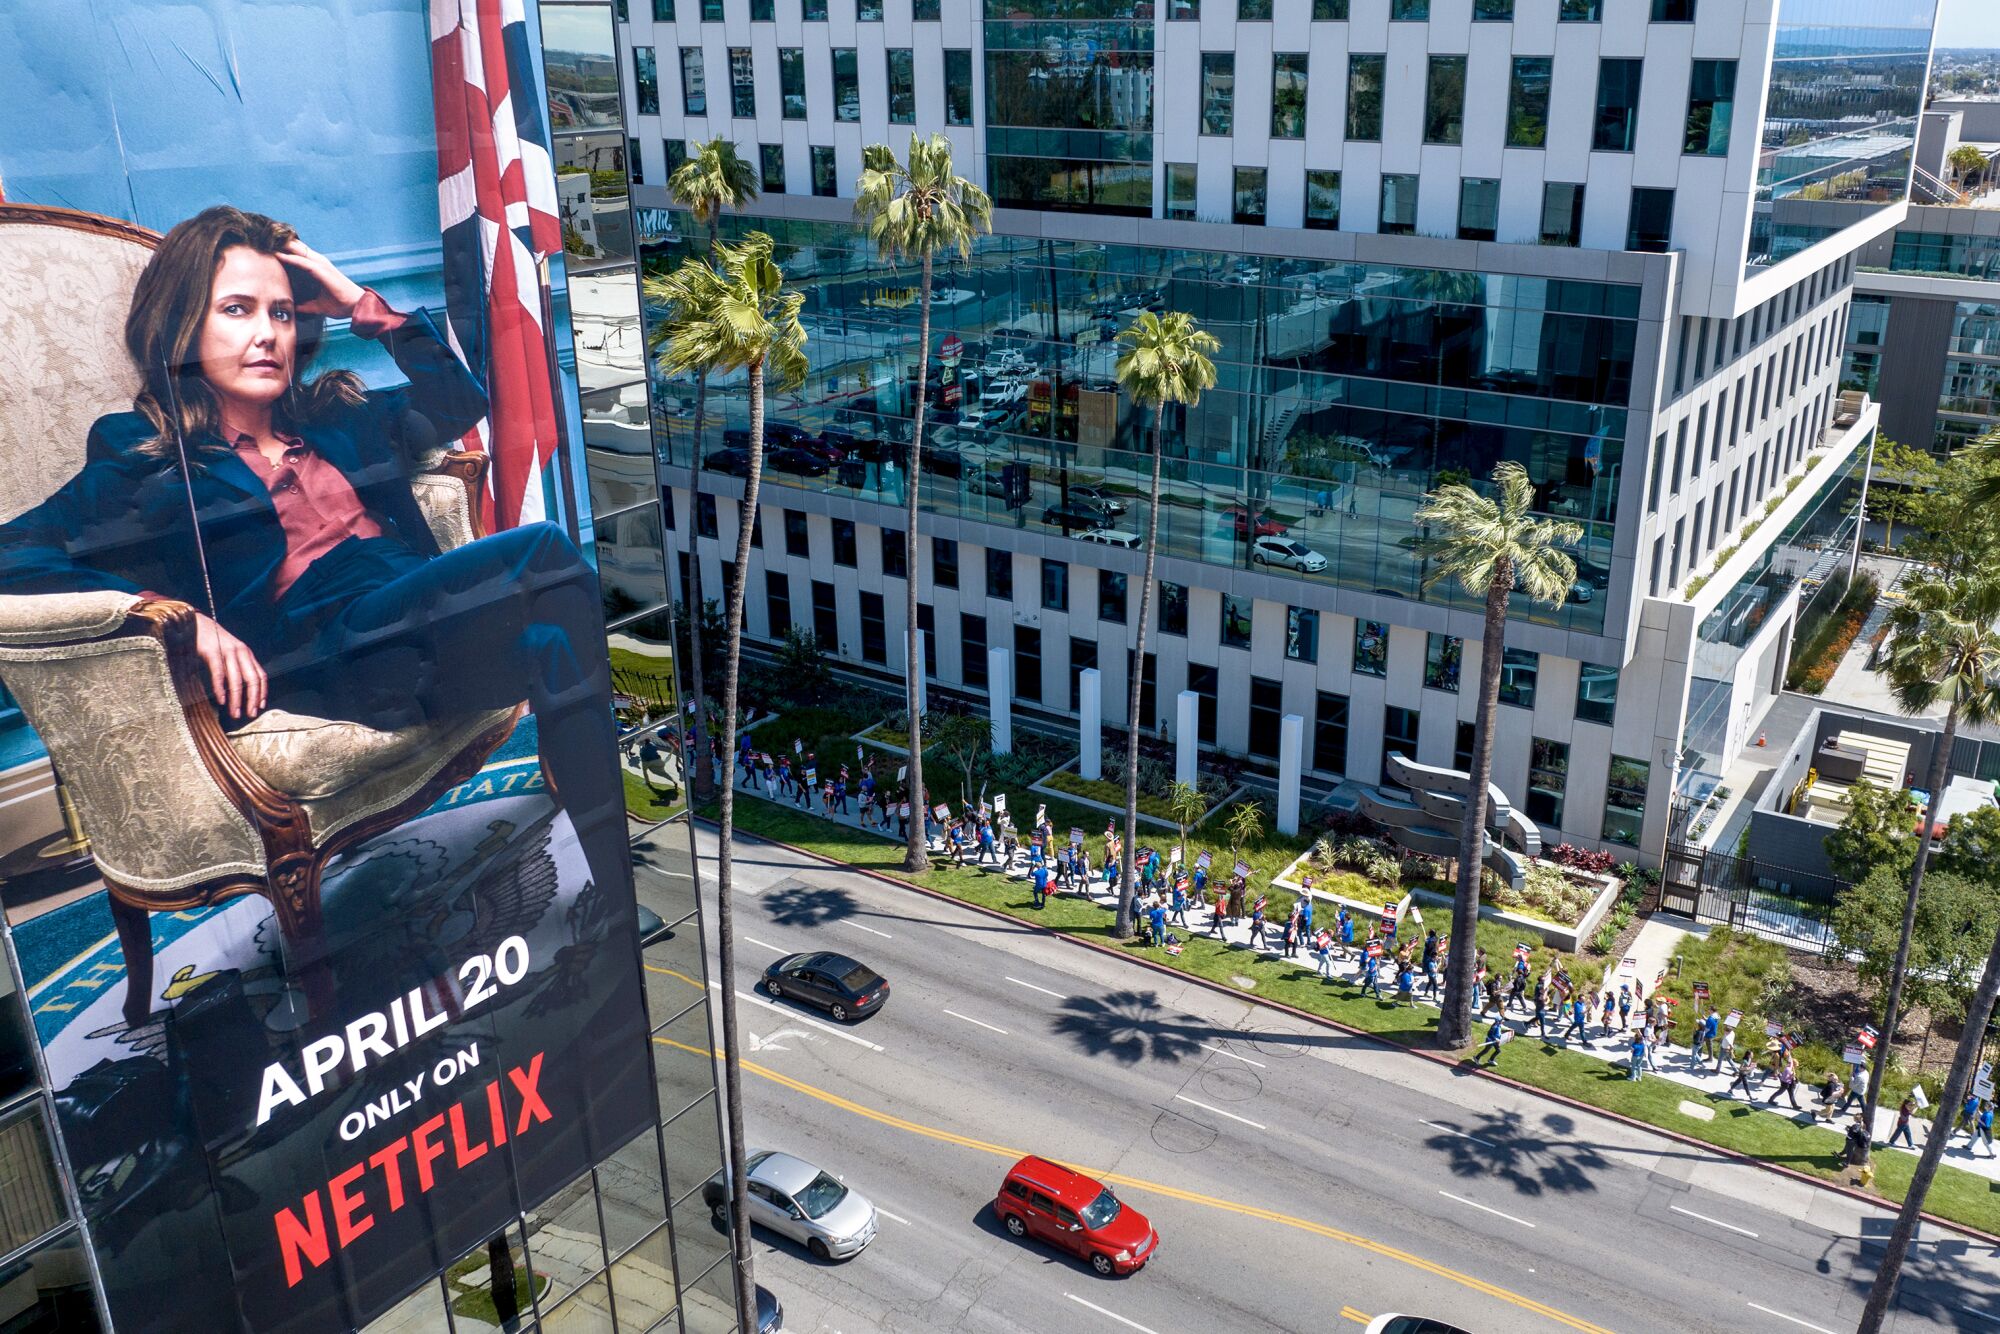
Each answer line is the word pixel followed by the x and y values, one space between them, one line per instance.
pixel 835 983
pixel 729 459
pixel 798 462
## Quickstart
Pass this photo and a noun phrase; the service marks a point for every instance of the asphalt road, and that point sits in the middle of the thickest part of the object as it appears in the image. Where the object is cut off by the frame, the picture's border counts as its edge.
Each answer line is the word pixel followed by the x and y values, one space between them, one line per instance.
pixel 1300 1180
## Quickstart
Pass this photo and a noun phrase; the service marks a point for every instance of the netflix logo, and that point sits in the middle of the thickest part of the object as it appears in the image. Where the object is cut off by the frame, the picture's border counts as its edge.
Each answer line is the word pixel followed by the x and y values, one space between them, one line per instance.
pixel 335 1216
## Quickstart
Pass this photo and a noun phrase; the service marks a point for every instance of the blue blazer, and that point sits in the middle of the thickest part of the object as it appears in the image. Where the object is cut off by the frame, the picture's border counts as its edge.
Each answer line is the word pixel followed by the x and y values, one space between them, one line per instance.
pixel 124 522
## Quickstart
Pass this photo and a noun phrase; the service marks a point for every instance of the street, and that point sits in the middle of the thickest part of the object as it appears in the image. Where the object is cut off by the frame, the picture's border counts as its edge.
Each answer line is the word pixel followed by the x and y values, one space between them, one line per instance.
pixel 1299 1179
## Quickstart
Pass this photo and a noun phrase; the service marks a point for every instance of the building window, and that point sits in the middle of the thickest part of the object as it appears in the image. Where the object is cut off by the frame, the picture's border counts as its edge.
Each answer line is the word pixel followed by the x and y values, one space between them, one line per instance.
pixel 1323 200
pixel 944 563
pixel 676 152
pixel 772 157
pixel 1302 634
pixel 1399 205
pixel 1082 655
pixel 1596 693
pixel 1625 801
pixel 1399 737
pixel 1365 75
pixel 1173 608
pixel 1371 648
pixel 1183 9
pixel 895 553
pixel 1442 656
pixel 1462 745
pixel 1444 100
pixel 812 10
pixel 663 11
pixel 1236 620
pixel 1581 11
pixel 972 650
pixel 1562 213
pixel 1249 196
pixel 874 630
pixel 999 574
pixel 927 10
pixel 1253 11
pixel 1673 11
pixel 711 11
pixel 1617 106
pixel 763 11
pixel 825 181
pixel 846 84
pixel 1201 678
pixel 1329 11
pixel 1180 191
pixel 1027 663
pixel 694 83
pixel 1518 669
pixel 1330 733
pixel 798 541
pixel 1413 10
pixel 742 83
pixel 826 619
pixel 1478 209
pixel 902 86
pixel 636 161
pixel 1548 775
pixel 646 76
pixel 1218 91
pixel 1492 10
pixel 927 626
pixel 1288 96
pixel 1528 102
pixel 868 11
pixel 957 86
pixel 778 602
pixel 1267 709
pixel 1651 225
pixel 1055 586
pixel 1711 107
pixel 792 82
pixel 843 543
pixel 1111 597
pixel 704 515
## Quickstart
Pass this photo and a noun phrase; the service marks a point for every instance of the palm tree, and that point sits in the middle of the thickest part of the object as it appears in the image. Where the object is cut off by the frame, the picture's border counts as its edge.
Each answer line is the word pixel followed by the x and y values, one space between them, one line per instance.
pixel 917 211
pixel 1945 648
pixel 715 177
pixel 1167 359
pixel 734 314
pixel 1972 1038
pixel 1187 805
pixel 1491 545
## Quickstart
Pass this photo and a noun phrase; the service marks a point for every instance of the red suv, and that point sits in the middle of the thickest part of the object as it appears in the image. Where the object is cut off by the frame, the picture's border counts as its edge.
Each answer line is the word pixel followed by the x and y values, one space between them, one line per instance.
pixel 1076 1214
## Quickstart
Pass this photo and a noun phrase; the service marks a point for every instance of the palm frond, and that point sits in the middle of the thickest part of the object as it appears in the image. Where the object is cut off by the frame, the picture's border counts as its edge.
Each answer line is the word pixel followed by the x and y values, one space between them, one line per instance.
pixel 1480 537
pixel 714 177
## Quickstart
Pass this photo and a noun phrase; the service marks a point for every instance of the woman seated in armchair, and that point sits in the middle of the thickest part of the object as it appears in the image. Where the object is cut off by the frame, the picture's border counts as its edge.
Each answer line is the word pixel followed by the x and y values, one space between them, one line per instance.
pixel 279 506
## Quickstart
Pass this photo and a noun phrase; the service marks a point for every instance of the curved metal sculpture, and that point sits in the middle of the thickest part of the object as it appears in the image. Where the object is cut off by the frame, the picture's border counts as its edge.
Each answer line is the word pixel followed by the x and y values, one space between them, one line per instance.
pixel 1428 820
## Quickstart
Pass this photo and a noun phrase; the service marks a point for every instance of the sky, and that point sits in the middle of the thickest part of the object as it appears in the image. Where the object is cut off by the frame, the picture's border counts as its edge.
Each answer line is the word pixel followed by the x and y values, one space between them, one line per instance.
pixel 1968 23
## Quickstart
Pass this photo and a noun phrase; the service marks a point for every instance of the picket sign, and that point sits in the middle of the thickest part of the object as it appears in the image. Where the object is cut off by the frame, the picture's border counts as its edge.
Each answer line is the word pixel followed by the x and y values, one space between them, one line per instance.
pixel 1701 992
pixel 1204 860
pixel 1854 1055
pixel 1076 836
pixel 1735 1018
pixel 1243 869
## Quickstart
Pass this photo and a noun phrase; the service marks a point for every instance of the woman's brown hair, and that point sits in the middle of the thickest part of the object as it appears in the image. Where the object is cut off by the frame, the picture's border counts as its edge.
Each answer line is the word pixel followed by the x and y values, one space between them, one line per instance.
pixel 163 332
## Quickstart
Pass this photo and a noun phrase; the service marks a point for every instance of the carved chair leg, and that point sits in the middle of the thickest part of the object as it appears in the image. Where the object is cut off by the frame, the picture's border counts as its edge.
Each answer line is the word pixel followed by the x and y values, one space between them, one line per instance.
pixel 135 941
pixel 294 889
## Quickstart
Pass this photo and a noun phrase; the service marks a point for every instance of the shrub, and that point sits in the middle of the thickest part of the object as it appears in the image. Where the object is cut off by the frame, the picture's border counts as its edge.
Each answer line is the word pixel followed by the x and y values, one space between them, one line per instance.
pixel 1580 859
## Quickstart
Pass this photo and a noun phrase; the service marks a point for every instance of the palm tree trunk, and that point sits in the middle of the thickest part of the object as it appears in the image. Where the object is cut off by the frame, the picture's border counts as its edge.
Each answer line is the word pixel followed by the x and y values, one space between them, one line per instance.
pixel 725 868
pixel 916 852
pixel 1122 930
pixel 699 776
pixel 1970 1041
pixel 1455 1024
pixel 1940 761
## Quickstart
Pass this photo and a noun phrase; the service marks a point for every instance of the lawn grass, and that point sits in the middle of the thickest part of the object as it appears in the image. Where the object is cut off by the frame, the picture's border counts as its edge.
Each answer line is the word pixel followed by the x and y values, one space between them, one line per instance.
pixel 643 675
pixel 647 804
pixel 1732 970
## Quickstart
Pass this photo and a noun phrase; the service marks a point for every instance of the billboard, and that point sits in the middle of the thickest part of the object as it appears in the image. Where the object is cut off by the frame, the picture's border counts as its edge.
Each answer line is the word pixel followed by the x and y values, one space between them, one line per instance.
pixel 329 938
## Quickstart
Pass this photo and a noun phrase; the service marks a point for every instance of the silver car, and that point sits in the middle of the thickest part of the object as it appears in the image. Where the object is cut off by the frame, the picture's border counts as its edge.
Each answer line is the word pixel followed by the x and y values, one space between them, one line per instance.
pixel 1284 551
pixel 795 1199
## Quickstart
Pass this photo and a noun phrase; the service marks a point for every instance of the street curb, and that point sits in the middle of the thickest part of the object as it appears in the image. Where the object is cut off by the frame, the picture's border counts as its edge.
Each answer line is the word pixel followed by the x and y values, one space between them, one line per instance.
pixel 1436 1058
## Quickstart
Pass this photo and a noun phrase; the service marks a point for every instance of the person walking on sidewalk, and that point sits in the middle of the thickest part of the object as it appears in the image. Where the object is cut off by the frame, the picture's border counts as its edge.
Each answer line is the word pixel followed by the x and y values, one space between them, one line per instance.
pixel 1156 917
pixel 1431 978
pixel 1496 1034
pixel 1905 1109
pixel 1579 1020
pixel 1788 1082
pixel 1746 1072
pixel 1968 1117
pixel 1180 902
pixel 1857 1092
pixel 1323 954
pixel 1725 1051
pixel 1624 1009
pixel 1704 1040
pixel 1293 926
pixel 1542 1005
pixel 1039 877
pixel 1986 1126
pixel 1406 985
pixel 1345 922
pixel 1638 1052
pixel 1370 967
pixel 1610 1006
pixel 1257 927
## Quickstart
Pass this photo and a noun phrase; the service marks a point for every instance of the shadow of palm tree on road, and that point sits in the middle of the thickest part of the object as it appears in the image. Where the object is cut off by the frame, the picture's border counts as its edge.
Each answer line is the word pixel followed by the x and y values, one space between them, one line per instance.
pixel 1536 1158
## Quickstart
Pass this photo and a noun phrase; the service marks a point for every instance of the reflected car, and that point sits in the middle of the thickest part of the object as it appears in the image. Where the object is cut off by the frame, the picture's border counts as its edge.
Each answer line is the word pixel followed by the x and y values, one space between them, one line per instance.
pixel 729 459
pixel 770 1312
pixel 1074 518
pixel 1074 1213
pixel 835 983
pixel 1239 518
pixel 652 930
pixel 798 462
pixel 1110 537
pixel 795 1199
pixel 1409 1324
pixel 1288 553
pixel 1098 496
pixel 1581 592
pixel 943 462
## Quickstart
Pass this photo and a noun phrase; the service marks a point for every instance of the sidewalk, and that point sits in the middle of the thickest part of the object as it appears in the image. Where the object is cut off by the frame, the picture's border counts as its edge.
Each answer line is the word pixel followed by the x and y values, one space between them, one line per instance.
pixel 1657 943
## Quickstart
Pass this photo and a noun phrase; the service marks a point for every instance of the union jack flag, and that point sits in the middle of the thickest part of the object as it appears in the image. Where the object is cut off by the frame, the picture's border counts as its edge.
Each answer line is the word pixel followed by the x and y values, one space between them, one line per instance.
pixel 498 213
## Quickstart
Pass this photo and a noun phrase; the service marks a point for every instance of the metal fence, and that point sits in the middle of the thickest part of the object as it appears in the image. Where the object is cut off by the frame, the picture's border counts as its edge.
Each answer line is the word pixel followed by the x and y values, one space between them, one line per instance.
pixel 1792 907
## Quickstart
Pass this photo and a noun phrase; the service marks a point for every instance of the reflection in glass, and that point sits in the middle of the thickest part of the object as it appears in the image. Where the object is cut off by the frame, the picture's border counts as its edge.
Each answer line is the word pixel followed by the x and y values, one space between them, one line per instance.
pixel 1365 75
pixel 580 60
pixel 792 82
pixel 1371 648
pixel 642 1281
pixel 1444 100
pixel 1323 200
pixel 1288 96
pixel 694 82
pixel 1218 92
pixel 1528 101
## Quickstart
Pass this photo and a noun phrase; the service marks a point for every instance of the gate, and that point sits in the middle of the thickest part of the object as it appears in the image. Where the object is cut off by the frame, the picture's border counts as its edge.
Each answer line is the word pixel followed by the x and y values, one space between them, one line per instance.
pixel 1792 907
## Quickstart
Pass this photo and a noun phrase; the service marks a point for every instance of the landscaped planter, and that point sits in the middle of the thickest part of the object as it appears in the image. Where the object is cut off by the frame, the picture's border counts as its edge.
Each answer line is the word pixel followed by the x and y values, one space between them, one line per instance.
pixel 1108 796
pixel 1568 939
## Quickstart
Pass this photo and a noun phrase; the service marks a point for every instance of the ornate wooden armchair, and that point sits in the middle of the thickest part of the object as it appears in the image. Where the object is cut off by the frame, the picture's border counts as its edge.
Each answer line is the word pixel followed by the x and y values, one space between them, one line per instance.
pixel 180 812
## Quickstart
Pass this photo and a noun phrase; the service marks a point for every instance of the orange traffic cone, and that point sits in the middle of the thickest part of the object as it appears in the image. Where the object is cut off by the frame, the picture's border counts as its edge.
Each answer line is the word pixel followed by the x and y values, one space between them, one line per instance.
pixel 1760 738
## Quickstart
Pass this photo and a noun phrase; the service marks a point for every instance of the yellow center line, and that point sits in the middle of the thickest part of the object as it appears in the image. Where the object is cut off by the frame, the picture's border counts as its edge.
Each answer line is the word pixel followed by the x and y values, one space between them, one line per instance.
pixel 1349 1313
pixel 1172 1192
pixel 655 968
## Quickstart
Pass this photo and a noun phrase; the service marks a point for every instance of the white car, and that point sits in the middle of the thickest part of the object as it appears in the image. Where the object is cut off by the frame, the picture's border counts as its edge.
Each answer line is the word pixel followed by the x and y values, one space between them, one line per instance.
pixel 1110 537
pixel 1581 592
pixel 790 1196
pixel 1098 496
pixel 1288 553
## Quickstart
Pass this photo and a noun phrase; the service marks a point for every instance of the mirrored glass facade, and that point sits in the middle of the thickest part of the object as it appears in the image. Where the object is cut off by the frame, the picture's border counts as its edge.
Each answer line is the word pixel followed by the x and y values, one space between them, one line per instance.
pixel 1840 121
pixel 1345 392
pixel 1069 106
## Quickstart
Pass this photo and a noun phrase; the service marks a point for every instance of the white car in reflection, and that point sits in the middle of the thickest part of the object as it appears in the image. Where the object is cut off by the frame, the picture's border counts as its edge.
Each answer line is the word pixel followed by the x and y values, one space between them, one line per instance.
pixel 1110 537
pixel 1285 551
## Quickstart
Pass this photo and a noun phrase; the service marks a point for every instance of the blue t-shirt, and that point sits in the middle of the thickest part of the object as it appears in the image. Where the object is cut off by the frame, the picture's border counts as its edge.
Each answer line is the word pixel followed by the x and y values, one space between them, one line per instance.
pixel 1041 877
